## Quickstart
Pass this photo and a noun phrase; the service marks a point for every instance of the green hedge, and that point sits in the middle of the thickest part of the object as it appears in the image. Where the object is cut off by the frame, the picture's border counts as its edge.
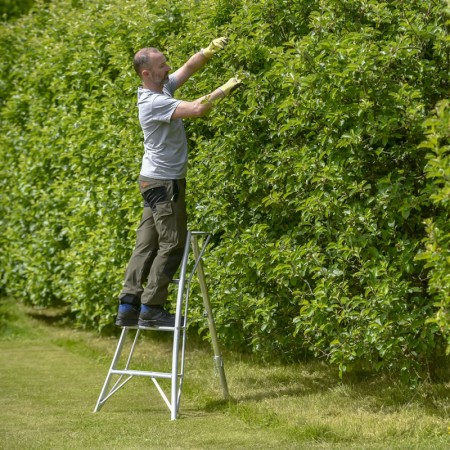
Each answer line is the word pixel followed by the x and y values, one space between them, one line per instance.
pixel 325 192
pixel 11 9
pixel 437 241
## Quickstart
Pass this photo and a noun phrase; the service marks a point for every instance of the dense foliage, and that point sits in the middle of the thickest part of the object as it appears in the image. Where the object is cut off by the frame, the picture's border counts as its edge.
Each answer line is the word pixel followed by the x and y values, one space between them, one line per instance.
pixel 437 242
pixel 324 180
pixel 11 9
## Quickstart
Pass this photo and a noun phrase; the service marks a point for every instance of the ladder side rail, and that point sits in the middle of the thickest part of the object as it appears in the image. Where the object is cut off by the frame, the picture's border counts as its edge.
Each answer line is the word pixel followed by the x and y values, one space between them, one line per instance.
pixel 218 361
pixel 197 259
pixel 183 340
pixel 176 337
pixel 199 255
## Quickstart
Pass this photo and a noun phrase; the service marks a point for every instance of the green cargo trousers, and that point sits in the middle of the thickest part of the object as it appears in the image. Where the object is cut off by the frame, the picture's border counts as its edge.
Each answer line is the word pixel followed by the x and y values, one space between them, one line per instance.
pixel 160 241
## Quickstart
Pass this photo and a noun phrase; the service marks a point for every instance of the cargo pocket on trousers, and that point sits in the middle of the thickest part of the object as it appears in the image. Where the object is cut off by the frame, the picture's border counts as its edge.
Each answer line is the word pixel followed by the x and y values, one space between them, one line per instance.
pixel 153 196
pixel 166 224
pixel 163 209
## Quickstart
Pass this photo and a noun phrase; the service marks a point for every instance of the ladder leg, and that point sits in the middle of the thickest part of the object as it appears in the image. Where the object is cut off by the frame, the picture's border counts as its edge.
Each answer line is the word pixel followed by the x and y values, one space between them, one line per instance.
pixel 176 335
pixel 113 366
pixel 218 361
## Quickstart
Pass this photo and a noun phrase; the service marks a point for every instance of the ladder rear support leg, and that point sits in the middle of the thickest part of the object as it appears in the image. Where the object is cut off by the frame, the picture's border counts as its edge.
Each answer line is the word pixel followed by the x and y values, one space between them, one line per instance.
pixel 218 361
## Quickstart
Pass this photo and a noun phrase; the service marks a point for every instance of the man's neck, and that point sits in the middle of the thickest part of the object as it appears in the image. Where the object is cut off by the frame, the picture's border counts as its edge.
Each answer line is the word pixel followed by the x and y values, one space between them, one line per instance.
pixel 154 87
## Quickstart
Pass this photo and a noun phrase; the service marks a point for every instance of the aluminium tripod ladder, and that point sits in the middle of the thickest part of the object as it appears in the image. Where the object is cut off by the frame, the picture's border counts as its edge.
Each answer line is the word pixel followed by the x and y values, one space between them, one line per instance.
pixel 179 333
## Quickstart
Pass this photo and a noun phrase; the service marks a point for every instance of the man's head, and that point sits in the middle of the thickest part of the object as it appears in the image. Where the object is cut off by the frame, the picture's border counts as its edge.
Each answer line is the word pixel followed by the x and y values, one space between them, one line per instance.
pixel 151 66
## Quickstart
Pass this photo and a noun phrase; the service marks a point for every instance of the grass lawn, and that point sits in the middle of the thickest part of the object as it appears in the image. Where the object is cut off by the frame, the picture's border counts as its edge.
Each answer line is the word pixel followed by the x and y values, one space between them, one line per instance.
pixel 51 376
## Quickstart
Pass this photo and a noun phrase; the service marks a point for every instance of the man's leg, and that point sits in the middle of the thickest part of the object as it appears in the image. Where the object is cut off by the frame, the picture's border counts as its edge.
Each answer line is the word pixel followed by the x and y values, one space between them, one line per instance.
pixel 142 258
pixel 137 270
pixel 169 214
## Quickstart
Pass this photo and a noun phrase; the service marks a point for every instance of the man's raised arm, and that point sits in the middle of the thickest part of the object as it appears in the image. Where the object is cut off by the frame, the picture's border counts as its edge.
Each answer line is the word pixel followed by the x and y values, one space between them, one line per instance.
pixel 197 61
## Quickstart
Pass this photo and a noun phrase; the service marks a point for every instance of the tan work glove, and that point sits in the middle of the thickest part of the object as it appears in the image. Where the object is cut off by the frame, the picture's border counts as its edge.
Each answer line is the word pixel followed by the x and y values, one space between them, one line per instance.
pixel 230 85
pixel 215 46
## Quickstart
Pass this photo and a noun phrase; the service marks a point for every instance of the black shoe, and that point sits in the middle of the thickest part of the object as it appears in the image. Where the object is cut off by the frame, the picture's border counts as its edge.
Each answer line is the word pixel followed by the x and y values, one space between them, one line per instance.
pixel 127 315
pixel 156 316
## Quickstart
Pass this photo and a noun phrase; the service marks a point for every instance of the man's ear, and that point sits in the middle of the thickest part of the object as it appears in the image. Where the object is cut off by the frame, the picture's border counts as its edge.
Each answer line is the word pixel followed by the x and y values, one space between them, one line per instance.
pixel 145 73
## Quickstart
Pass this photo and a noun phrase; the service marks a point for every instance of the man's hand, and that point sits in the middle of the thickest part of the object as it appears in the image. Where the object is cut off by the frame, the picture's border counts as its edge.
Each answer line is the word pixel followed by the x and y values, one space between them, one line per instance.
pixel 231 85
pixel 215 46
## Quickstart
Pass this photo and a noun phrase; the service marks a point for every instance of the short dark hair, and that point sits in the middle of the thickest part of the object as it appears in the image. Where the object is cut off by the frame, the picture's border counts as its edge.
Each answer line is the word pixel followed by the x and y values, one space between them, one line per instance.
pixel 142 59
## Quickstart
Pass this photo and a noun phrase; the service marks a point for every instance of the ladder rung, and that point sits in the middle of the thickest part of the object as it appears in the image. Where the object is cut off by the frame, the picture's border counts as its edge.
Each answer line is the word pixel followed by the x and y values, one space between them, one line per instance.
pixel 142 373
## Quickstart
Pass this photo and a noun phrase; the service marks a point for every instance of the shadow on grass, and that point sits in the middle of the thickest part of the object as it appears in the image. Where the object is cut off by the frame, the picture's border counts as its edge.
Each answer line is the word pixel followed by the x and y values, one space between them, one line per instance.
pixel 259 382
pixel 51 317
pixel 382 392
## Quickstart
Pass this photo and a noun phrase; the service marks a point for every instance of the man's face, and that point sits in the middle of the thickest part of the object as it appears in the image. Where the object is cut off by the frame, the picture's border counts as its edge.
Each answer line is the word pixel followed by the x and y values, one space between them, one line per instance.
pixel 159 71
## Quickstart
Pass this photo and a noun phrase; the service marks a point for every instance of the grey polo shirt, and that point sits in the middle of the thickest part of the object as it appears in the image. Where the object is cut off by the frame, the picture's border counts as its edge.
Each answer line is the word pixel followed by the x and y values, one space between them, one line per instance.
pixel 165 143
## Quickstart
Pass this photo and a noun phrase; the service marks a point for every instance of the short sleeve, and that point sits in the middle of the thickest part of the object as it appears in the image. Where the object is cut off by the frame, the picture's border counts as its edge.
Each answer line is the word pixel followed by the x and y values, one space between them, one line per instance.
pixel 171 86
pixel 163 107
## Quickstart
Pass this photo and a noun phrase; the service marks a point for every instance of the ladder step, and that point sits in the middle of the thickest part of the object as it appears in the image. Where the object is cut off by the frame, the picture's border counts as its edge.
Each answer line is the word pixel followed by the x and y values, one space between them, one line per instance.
pixel 142 373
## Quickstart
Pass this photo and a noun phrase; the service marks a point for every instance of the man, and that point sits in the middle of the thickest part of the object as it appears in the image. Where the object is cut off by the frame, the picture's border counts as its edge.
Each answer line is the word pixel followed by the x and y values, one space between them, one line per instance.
pixel 161 235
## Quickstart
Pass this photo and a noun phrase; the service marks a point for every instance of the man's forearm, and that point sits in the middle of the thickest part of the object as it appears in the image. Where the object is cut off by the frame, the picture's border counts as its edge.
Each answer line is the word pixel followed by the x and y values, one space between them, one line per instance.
pixel 202 105
pixel 196 62
pixel 215 95
pixel 192 65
